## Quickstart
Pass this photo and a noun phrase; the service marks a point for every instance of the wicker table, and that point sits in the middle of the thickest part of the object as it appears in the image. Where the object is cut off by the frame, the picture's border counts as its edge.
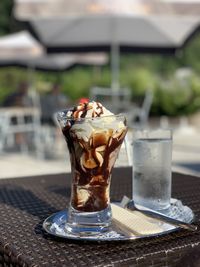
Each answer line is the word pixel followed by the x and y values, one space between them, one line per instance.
pixel 26 202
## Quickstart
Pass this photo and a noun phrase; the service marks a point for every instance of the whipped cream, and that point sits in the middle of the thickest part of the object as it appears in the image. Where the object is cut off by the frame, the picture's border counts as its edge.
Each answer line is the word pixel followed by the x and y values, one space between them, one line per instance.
pixel 88 110
pixel 104 120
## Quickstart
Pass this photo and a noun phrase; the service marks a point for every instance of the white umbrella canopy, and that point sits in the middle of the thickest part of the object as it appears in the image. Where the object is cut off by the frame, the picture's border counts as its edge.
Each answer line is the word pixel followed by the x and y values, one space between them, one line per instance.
pixel 114 32
pixel 23 50
pixel 20 45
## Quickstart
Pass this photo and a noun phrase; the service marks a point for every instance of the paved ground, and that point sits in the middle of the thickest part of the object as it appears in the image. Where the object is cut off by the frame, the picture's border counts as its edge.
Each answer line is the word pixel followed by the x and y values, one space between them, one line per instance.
pixel 186 158
pixel 186 151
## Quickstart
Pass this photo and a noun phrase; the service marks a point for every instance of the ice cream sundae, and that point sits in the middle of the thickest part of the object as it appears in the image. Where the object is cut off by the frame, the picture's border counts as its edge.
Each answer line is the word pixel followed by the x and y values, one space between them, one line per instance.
pixel 94 136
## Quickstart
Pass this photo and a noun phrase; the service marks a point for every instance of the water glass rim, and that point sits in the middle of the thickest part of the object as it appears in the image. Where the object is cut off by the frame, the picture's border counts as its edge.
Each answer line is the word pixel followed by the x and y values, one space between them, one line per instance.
pixel 157 133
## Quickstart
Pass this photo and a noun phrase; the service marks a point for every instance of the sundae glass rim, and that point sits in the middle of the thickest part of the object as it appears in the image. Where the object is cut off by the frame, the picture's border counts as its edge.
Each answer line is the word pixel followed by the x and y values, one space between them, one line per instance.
pixel 62 114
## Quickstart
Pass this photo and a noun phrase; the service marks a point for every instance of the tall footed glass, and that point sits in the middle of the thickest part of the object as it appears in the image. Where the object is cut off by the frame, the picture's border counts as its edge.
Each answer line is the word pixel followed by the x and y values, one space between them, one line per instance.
pixel 93 144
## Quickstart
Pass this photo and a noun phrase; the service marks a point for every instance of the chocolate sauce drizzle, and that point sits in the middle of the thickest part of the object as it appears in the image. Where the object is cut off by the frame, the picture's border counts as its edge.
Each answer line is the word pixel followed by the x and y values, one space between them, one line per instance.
pixel 82 109
pixel 96 180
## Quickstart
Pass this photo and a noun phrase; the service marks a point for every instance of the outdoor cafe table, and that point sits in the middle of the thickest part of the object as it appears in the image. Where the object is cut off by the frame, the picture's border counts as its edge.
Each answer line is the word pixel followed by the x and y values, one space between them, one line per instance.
pixel 26 202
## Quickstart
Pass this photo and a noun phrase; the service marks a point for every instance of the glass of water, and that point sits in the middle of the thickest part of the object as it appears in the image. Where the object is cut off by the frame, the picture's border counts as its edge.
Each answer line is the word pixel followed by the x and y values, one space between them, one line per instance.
pixel 152 156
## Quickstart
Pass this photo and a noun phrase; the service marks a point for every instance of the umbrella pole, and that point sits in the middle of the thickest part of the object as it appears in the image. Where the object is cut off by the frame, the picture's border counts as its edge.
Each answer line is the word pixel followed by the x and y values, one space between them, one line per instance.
pixel 115 87
pixel 115 66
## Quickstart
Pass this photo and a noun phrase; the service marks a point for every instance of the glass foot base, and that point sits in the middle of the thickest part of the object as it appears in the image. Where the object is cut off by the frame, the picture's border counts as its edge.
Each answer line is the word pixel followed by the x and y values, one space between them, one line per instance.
pixel 89 223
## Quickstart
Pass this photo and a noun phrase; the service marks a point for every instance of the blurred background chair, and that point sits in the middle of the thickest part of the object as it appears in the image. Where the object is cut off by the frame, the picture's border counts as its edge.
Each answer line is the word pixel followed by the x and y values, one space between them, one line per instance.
pixel 139 115
pixel 19 127
pixel 22 128
pixel 117 101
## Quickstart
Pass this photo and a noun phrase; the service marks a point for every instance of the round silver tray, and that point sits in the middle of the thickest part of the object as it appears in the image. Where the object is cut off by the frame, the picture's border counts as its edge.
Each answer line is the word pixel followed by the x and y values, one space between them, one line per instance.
pixel 55 225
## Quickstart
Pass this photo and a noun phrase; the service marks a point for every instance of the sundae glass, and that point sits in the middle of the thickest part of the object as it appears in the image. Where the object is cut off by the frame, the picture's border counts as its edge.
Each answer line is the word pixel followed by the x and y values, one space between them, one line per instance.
pixel 94 136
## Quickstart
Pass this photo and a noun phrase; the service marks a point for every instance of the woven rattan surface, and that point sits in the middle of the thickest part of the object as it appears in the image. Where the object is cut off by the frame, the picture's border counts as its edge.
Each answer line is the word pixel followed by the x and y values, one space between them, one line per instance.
pixel 26 202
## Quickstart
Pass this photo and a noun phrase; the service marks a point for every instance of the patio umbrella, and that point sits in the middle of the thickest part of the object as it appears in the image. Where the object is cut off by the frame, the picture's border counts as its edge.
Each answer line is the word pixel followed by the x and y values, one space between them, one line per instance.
pixel 23 50
pixel 19 45
pixel 115 33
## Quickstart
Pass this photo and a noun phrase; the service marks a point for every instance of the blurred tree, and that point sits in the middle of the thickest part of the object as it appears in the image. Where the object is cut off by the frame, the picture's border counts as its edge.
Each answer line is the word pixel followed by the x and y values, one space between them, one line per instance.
pixel 191 54
pixel 7 22
pixel 5 15
pixel 161 64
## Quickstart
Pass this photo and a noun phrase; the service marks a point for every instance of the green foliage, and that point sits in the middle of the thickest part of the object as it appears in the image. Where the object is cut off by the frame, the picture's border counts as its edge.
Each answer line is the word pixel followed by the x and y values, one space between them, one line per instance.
pixel 5 16
pixel 138 80
pixel 77 82
pixel 191 54
pixel 161 64
pixel 172 97
pixel 175 98
pixel 9 79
